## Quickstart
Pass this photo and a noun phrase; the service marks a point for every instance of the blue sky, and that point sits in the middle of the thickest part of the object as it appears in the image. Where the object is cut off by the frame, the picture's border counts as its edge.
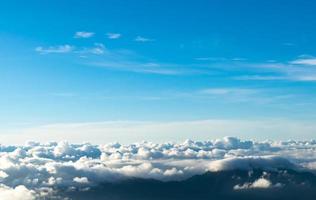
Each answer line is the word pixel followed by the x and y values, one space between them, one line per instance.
pixel 65 62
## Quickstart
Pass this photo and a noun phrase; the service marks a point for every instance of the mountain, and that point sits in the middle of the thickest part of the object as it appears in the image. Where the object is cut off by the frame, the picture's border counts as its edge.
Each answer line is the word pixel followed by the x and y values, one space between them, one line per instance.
pixel 282 184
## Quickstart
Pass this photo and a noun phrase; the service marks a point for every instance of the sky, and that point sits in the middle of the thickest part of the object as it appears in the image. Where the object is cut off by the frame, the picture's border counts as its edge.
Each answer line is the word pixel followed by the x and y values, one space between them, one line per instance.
pixel 157 70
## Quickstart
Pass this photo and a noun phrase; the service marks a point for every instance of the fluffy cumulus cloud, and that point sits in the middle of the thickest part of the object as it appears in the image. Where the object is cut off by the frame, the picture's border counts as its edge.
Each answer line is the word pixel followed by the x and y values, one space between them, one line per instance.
pixel 18 193
pixel 37 170
pixel 261 183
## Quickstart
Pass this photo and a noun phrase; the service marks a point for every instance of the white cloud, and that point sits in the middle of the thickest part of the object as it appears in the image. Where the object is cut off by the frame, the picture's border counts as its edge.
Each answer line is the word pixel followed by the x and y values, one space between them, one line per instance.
pixel 239 59
pixel 306 77
pixel 36 169
pixel 261 183
pixel 81 180
pixel 143 39
pixel 217 59
pixel 297 70
pixel 289 44
pixel 304 61
pixel 259 96
pixel 248 71
pixel 248 163
pixel 114 35
pixel 98 49
pixel 83 34
pixel 3 175
pixel 261 78
pixel 55 49
pixel 17 193
pixel 229 91
pixel 139 67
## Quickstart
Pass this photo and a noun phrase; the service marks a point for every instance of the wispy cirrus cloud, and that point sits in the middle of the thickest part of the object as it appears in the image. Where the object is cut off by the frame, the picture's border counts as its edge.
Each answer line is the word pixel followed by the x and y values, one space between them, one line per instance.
pixel 241 95
pixel 97 49
pixel 122 60
pixel 138 67
pixel 229 91
pixel 296 70
pixel 233 68
pixel 143 39
pixel 260 77
pixel 304 61
pixel 84 34
pixel 55 49
pixel 114 36
pixel 211 59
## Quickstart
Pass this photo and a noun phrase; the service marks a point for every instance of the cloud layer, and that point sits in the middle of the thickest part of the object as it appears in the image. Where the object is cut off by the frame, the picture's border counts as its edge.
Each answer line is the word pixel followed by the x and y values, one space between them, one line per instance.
pixel 39 169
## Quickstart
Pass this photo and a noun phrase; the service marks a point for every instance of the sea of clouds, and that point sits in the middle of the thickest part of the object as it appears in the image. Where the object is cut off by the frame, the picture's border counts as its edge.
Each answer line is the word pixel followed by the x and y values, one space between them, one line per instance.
pixel 37 171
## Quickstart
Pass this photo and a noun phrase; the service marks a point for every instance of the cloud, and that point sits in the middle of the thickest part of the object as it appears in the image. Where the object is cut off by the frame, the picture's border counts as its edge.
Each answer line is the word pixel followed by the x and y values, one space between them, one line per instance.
pixel 211 59
pixel 19 192
pixel 83 34
pixel 288 44
pixel 261 183
pixel 252 162
pixel 257 96
pixel 297 70
pixel 38 170
pixel 261 78
pixel 143 39
pixel 229 91
pixel 139 67
pixel 304 61
pixel 98 49
pixel 81 180
pixel 55 49
pixel 113 36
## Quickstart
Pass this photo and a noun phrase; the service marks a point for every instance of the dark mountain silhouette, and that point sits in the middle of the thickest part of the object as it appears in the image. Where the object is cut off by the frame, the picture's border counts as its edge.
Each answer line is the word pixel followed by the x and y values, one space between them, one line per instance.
pixel 285 185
